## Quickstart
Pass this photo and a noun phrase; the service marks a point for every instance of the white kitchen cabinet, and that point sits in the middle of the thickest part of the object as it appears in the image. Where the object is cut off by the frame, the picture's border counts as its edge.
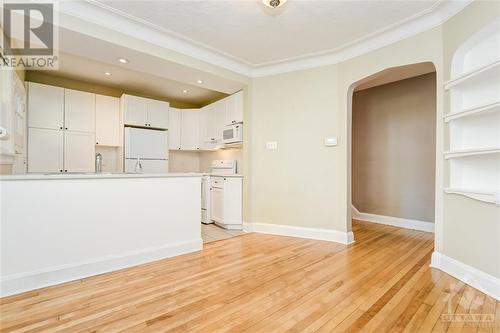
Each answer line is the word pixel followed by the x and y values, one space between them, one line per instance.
pixel 234 113
pixel 79 151
pixel 220 109
pixel 190 130
pixel 226 202
pixel 216 204
pixel 207 128
pixel 45 150
pixel 107 121
pixel 79 111
pixel 135 110
pixel 46 106
pixel 158 114
pixel 174 128
pixel 144 112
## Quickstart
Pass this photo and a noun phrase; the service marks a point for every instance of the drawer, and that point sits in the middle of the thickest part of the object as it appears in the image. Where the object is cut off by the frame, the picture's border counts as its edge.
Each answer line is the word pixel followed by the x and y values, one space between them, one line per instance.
pixel 217 182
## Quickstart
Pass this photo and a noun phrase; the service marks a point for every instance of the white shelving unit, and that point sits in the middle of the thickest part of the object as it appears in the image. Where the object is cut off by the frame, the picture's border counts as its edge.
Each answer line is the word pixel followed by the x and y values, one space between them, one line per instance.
pixel 474 118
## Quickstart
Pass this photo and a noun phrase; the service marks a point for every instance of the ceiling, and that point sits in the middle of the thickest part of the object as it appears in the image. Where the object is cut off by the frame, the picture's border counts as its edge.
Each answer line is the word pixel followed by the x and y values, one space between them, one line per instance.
pixel 395 74
pixel 88 70
pixel 245 31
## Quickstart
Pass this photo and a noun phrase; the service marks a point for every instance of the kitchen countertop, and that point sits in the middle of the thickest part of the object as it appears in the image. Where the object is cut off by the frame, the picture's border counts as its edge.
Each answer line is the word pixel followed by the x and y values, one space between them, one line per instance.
pixel 238 175
pixel 104 175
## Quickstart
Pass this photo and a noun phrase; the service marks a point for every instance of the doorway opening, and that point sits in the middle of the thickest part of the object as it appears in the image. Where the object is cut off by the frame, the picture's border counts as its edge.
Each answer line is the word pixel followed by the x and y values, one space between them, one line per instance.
pixel 393 148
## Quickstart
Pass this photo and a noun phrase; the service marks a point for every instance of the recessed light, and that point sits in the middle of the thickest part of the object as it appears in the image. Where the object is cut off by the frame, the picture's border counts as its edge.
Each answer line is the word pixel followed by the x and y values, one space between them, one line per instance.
pixel 107 73
pixel 184 91
pixel 123 60
pixel 199 81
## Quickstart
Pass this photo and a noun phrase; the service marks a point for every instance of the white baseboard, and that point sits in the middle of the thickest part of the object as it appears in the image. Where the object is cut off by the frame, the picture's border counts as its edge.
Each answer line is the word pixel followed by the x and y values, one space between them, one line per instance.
pixel 293 231
pixel 480 280
pixel 17 283
pixel 394 221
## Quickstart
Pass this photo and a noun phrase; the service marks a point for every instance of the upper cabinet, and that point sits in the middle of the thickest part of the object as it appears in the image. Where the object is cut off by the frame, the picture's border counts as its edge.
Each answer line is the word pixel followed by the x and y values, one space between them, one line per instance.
pixel 144 112
pixel 220 109
pixel 207 127
pixel 79 111
pixel 107 121
pixel 234 113
pixel 158 113
pixel 174 129
pixel 46 106
pixel 190 129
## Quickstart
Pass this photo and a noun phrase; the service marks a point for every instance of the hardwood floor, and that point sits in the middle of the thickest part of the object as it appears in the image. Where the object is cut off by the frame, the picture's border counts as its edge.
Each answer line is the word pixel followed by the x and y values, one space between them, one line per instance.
pixel 265 283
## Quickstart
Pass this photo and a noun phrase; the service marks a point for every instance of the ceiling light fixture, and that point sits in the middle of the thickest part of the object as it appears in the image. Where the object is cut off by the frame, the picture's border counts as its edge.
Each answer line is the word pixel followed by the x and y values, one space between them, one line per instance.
pixel 184 91
pixel 274 3
pixel 199 81
pixel 107 73
pixel 123 60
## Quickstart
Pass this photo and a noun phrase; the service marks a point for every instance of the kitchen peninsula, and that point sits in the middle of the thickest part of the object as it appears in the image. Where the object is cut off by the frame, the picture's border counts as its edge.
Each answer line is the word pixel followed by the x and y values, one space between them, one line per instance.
pixel 62 227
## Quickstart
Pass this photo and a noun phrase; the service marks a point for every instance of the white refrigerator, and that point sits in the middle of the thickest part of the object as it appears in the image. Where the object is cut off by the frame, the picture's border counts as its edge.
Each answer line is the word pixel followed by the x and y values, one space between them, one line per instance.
pixel 146 150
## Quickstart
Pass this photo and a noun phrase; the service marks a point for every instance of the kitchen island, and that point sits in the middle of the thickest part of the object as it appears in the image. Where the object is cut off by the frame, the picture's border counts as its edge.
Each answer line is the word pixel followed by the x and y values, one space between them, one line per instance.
pixel 62 227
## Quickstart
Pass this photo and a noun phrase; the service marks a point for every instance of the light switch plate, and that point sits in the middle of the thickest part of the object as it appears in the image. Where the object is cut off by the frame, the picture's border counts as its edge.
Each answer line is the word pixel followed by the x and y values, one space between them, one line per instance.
pixel 272 145
pixel 331 141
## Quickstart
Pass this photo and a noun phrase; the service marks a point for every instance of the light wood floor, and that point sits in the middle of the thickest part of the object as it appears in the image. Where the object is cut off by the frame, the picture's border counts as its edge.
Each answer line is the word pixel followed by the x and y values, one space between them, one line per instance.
pixel 264 283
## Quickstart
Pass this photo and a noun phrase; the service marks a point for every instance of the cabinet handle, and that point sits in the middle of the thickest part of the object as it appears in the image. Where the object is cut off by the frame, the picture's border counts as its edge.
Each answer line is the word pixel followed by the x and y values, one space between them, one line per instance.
pixel 65 170
pixel 60 170
pixel 97 143
pixel 61 127
pixel 65 128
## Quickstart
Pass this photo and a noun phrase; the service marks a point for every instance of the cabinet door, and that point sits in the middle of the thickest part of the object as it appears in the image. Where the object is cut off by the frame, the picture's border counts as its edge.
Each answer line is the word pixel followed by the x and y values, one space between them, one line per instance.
pixel 174 129
pixel 79 111
pixel 234 112
pixel 220 108
pixel 45 150
pixel 217 204
pixel 107 121
pixel 207 137
pixel 190 132
pixel 136 111
pixel 157 114
pixel 79 151
pixel 45 106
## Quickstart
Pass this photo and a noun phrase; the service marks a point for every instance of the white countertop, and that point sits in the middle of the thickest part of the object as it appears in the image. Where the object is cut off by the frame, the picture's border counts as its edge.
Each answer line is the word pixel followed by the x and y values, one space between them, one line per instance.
pixel 104 175
pixel 238 175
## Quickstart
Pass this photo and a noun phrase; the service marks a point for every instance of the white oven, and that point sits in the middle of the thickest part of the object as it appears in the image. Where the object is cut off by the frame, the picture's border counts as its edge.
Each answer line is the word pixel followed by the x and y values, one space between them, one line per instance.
pixel 232 133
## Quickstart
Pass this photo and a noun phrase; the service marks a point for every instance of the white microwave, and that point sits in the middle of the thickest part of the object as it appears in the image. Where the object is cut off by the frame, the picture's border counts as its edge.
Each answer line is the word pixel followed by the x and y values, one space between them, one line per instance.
pixel 232 133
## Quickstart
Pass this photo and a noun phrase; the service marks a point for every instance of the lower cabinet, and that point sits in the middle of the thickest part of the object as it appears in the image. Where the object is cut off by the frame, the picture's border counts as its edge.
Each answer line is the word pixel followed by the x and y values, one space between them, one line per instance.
pixel 79 151
pixel 60 151
pixel 45 150
pixel 226 202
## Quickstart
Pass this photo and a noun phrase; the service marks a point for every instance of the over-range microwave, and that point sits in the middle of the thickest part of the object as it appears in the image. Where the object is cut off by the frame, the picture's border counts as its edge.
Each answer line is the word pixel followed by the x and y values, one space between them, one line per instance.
pixel 232 133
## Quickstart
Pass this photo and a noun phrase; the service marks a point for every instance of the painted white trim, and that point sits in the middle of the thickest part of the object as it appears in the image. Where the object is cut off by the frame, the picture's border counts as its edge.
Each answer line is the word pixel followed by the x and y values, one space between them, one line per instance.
pixel 480 280
pixel 103 15
pixel 17 283
pixel 293 231
pixel 394 221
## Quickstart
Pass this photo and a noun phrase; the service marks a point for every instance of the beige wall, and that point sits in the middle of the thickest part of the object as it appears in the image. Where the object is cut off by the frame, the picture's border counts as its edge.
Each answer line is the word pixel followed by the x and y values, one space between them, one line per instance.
pixel 183 161
pixel 59 81
pixel 470 229
pixel 394 148
pixel 191 161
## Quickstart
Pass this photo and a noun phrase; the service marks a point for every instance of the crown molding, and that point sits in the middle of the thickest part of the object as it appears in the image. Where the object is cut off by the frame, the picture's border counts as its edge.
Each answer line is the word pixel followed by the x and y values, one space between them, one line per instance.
pixel 100 14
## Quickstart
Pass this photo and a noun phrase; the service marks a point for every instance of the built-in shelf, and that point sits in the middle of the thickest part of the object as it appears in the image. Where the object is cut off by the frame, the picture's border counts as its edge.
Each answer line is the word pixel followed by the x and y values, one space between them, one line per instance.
pixel 478 110
pixel 471 152
pixel 466 77
pixel 485 196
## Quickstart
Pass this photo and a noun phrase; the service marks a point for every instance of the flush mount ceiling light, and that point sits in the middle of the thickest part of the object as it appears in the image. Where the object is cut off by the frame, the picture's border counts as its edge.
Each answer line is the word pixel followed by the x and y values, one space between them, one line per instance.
pixel 107 73
pixel 199 81
pixel 123 60
pixel 185 91
pixel 274 3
